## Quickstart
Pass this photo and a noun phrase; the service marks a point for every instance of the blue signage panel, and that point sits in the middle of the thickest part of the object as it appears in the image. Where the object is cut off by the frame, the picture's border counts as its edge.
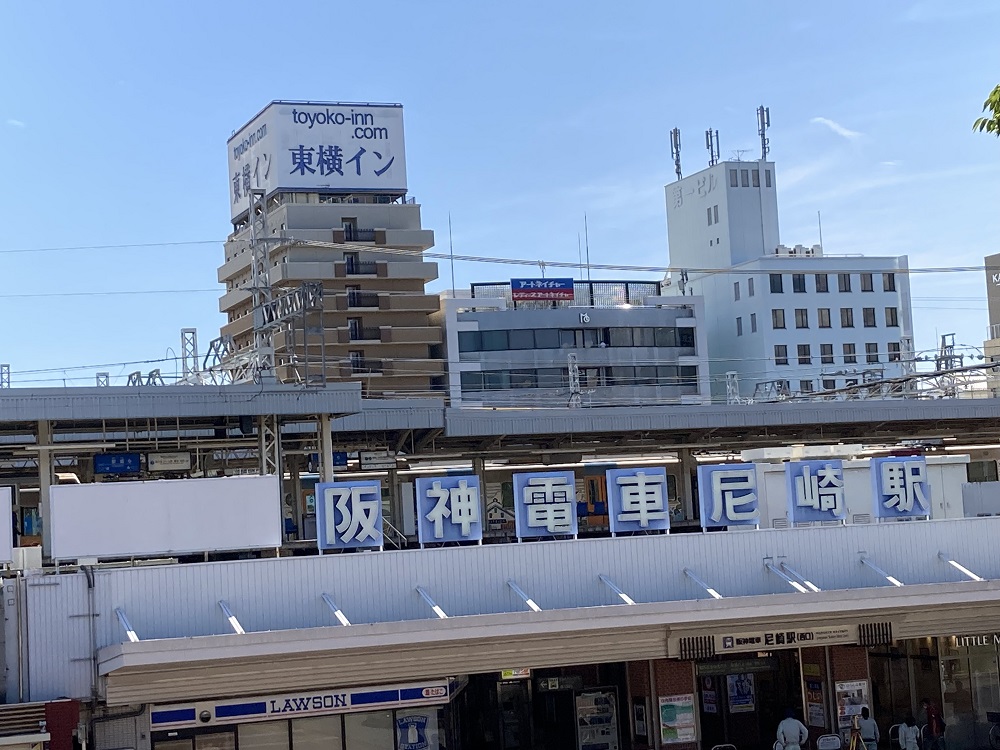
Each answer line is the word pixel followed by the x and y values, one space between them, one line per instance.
pixel 117 463
pixel 637 499
pixel 901 487
pixel 815 490
pixel 449 509
pixel 541 289
pixel 349 514
pixel 727 495
pixel 545 504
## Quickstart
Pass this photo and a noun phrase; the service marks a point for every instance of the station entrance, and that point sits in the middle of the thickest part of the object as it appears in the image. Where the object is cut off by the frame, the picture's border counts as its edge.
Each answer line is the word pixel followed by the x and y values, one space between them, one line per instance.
pixel 743 700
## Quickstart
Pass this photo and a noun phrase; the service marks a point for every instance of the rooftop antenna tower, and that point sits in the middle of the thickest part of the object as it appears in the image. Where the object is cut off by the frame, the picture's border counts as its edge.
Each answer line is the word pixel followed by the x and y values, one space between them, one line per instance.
pixel 712 144
pixel 763 123
pixel 675 150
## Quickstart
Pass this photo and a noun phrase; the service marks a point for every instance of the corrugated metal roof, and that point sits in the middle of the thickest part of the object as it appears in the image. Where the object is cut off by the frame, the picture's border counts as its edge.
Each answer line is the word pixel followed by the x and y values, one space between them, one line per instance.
pixel 487 422
pixel 156 402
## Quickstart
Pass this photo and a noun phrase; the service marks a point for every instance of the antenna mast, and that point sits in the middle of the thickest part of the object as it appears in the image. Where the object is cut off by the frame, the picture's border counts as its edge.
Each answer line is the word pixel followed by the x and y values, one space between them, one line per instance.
pixel 675 150
pixel 763 123
pixel 712 144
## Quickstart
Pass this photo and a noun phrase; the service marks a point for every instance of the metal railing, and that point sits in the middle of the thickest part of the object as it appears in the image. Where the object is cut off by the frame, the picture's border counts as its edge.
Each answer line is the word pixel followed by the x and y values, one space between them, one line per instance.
pixel 994 331
pixel 365 366
pixel 352 234
pixel 362 299
pixel 392 536
pixel 366 333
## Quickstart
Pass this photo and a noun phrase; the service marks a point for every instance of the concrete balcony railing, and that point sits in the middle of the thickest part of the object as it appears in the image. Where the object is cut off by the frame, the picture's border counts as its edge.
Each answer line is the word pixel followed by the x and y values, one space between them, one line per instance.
pixel 235 298
pixel 365 333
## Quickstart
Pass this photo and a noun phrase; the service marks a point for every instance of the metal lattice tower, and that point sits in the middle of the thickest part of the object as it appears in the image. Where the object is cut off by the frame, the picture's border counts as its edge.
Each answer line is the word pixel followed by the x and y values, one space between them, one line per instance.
pixel 189 351
pixel 733 387
pixel 4 376
pixel 263 336
pixel 103 380
pixel 575 399
pixel 763 123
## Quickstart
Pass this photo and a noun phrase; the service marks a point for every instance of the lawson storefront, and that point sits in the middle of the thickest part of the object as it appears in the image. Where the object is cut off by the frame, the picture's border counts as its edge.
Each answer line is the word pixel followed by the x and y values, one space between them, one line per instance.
pixel 414 716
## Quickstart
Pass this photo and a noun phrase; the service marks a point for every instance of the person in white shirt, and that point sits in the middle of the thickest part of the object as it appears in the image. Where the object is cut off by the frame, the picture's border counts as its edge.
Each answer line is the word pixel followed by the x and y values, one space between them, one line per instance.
pixel 868 729
pixel 909 734
pixel 792 733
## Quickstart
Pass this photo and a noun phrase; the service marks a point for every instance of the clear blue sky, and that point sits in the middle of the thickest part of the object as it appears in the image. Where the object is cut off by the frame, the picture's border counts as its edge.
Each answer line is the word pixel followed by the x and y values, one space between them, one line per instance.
pixel 520 117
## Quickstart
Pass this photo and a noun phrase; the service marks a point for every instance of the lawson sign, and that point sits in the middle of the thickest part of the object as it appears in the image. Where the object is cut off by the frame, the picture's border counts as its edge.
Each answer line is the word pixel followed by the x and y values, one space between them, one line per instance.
pixel 314 703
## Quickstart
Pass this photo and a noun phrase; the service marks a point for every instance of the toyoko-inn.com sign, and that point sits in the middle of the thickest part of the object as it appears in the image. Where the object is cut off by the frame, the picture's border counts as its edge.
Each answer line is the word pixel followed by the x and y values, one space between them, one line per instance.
pixel 310 145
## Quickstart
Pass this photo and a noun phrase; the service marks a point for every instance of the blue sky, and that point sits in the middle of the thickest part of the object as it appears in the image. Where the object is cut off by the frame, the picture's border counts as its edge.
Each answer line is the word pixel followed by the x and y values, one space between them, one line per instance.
pixel 520 117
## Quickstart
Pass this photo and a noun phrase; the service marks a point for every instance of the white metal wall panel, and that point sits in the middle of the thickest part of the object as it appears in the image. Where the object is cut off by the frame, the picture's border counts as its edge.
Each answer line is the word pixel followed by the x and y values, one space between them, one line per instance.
pixel 283 594
pixel 58 643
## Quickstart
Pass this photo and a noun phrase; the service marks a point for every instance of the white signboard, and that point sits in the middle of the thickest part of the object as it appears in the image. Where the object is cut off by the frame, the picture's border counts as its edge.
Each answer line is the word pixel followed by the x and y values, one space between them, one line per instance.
pixel 7 537
pixel 786 638
pixel 176 516
pixel 377 460
pixel 180 461
pixel 310 145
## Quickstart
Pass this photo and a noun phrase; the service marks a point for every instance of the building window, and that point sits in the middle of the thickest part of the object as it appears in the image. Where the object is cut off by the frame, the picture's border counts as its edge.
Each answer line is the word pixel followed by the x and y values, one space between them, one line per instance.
pixel 756 177
pixel 871 352
pixel 767 178
pixel 750 287
pixel 805 386
pixel 826 354
pixel 709 212
pixel 891 317
pixel 715 214
pixel 753 322
pixel 844 282
pixel 494 341
pixel 850 355
pixel 868 316
pixel 894 351
pixel 745 177
pixel 780 354
pixel 822 282
pixel 847 317
pixel 888 282
pixel 829 385
pixel 805 354
pixel 469 341
pixel 799 283
pixel 776 285
pixel 733 178
pixel 739 326
pixel 867 283
pixel 823 315
pixel 777 319
pixel 801 318
pixel 736 291
pixel 521 339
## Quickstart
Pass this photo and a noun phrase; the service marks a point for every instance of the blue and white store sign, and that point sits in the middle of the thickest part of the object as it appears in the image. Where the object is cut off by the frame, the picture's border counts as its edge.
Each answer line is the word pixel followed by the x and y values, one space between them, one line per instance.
pixel 637 499
pixel 449 509
pixel 117 463
pixel 727 495
pixel 289 706
pixel 545 504
pixel 901 487
pixel 815 491
pixel 349 515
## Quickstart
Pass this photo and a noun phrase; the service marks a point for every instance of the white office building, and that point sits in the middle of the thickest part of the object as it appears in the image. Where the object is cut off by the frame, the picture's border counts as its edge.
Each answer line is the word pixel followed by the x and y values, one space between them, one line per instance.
pixel 785 320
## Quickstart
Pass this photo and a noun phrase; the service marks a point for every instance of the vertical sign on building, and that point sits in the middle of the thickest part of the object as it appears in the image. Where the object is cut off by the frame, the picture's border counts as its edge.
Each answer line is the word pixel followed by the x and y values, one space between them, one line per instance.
pixel 815 491
pixel 545 504
pixel 637 499
pixel 901 487
pixel 448 509
pixel 727 495
pixel 349 515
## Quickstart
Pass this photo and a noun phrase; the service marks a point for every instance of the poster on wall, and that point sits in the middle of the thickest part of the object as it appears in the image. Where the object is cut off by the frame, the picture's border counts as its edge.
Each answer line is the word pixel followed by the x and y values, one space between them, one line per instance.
pixel 417 729
pixel 851 698
pixel 597 720
pixel 677 719
pixel 641 727
pixel 741 693
pixel 815 704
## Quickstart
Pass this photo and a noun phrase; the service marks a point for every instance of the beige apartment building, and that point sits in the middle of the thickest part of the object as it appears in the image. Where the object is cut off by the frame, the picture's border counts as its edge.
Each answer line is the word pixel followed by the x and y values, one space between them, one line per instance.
pixel 367 252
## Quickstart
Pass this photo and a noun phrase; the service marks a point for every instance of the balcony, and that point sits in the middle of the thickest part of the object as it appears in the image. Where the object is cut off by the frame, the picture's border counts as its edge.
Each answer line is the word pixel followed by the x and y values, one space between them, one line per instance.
pixel 356 298
pixel 352 234
pixel 355 267
pixel 365 333
pixel 994 331
pixel 365 366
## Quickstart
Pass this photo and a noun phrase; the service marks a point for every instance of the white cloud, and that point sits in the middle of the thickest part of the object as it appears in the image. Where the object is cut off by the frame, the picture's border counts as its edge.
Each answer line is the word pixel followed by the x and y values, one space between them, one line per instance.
pixel 15 123
pixel 892 163
pixel 837 128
